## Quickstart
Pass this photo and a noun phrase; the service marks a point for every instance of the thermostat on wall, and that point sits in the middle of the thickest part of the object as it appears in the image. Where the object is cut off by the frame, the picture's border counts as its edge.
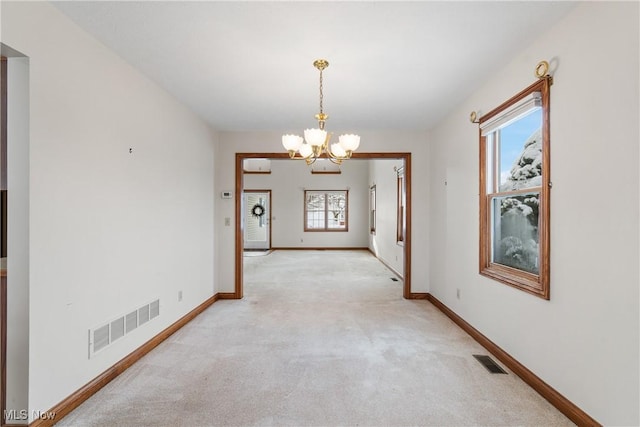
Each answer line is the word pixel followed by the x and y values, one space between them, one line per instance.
pixel 227 194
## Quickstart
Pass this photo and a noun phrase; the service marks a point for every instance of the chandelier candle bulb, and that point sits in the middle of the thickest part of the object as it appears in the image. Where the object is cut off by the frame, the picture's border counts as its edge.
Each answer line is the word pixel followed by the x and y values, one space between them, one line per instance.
pixel 315 137
pixel 305 150
pixel 291 142
pixel 337 150
pixel 349 142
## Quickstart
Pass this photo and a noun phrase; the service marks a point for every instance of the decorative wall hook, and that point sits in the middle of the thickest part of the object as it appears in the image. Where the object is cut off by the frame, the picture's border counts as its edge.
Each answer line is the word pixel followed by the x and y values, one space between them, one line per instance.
pixel 473 117
pixel 541 69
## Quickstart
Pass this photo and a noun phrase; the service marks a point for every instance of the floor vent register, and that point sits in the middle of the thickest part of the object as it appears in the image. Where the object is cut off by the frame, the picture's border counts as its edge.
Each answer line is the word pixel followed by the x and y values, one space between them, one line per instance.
pixel 488 363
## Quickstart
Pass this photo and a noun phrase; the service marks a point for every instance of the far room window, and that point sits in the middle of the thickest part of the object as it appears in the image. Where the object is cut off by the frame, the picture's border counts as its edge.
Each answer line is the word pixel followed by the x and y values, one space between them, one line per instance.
pixel 514 191
pixel 326 210
pixel 401 227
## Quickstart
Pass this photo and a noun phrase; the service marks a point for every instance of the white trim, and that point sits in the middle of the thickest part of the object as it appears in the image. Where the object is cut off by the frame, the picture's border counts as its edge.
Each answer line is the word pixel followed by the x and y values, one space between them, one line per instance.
pixel 518 110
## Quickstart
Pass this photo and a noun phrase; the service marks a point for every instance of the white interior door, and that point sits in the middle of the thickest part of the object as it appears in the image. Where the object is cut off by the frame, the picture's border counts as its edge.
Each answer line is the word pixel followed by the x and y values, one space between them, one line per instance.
pixel 257 219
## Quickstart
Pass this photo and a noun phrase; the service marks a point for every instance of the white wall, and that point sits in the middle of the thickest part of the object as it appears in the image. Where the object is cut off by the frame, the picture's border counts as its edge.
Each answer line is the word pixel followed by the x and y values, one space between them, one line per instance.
pixel 287 182
pixel 383 243
pixel 109 230
pixel 584 341
pixel 270 142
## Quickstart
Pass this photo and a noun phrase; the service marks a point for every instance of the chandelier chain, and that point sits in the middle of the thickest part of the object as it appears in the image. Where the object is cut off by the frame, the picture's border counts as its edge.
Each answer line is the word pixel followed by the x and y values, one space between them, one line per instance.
pixel 321 94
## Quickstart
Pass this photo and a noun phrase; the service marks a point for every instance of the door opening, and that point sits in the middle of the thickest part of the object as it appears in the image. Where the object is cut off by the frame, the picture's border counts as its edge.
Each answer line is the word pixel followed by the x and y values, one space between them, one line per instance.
pixel 239 209
pixel 256 213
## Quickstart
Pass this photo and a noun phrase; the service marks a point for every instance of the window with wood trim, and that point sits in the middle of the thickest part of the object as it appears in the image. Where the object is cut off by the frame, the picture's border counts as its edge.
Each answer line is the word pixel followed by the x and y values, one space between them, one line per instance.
pixel 401 228
pixel 514 191
pixel 326 210
pixel 372 209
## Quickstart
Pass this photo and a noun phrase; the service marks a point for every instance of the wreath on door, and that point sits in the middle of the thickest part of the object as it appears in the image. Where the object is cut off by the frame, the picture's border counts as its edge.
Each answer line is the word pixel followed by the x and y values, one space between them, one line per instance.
pixel 257 210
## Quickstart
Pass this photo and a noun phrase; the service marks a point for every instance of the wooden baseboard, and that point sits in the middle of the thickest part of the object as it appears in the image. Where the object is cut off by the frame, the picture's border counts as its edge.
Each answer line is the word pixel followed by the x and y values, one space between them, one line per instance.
pixel 419 295
pixel 74 400
pixel 227 295
pixel 563 404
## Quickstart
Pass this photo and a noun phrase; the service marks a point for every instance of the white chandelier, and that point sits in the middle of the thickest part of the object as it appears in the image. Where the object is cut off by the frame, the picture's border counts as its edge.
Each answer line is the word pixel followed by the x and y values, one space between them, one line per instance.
pixel 316 141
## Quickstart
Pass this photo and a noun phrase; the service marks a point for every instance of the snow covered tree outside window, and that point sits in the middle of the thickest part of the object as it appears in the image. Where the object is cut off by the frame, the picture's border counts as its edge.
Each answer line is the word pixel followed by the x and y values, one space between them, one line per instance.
pixel 514 183
pixel 515 227
pixel 325 210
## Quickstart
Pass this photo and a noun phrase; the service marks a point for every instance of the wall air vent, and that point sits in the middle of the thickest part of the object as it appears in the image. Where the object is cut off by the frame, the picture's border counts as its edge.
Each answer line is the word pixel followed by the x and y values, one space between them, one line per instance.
pixel 131 321
pixel 117 328
pixel 100 337
pixel 154 309
pixel 106 334
pixel 143 314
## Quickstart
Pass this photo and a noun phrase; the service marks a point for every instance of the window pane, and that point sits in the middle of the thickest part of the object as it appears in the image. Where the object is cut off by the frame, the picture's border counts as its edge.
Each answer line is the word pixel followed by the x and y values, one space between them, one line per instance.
pixel 315 210
pixel 315 201
pixel 520 156
pixel 315 219
pixel 336 204
pixel 515 234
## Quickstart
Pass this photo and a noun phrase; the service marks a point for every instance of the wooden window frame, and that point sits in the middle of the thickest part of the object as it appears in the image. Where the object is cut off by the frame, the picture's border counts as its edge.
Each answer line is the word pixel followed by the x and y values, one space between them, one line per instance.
pixel 326 212
pixel 536 284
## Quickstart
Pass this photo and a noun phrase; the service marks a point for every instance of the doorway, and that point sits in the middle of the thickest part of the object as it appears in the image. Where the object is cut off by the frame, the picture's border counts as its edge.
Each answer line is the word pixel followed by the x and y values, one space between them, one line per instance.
pixel 256 219
pixel 14 233
pixel 3 238
pixel 239 235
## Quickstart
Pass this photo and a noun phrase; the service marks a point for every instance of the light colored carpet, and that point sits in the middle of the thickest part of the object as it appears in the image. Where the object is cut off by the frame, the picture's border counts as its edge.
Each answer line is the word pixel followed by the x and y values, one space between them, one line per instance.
pixel 322 338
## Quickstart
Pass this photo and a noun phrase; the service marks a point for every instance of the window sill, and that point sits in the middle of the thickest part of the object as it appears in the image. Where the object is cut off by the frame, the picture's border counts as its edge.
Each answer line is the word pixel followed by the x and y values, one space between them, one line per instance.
pixel 518 279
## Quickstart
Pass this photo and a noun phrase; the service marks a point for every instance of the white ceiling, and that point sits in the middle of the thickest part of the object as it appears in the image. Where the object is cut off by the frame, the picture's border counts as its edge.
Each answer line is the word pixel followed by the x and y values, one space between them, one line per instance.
pixel 248 65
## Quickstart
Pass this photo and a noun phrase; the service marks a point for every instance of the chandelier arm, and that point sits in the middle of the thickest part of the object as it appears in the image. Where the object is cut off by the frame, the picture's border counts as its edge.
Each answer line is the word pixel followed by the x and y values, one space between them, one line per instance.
pixel 299 158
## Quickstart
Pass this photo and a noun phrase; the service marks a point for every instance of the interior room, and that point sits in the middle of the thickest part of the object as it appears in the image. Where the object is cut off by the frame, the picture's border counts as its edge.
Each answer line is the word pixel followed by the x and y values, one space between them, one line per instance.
pixel 133 134
pixel 368 216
